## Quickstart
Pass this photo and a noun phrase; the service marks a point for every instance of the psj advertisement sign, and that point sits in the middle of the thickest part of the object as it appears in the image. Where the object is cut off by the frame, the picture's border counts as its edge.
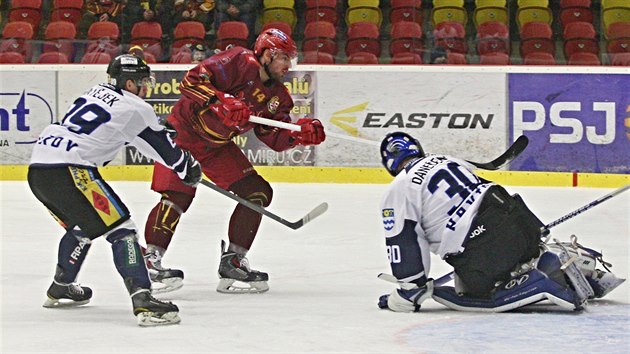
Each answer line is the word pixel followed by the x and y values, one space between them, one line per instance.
pixel 574 122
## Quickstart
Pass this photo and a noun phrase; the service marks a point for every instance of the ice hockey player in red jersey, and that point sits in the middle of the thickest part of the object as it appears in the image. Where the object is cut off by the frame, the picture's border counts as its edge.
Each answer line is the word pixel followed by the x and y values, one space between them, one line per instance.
pixel 218 96
pixel 63 175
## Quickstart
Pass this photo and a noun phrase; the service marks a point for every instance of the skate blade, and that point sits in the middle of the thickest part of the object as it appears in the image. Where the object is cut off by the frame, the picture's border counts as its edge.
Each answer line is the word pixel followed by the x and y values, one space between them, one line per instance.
pixel 62 303
pixel 226 286
pixel 151 319
pixel 166 285
pixel 610 283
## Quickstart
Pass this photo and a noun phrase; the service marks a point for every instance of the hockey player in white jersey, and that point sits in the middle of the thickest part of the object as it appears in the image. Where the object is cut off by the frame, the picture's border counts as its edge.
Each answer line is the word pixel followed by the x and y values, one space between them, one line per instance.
pixel 437 204
pixel 63 175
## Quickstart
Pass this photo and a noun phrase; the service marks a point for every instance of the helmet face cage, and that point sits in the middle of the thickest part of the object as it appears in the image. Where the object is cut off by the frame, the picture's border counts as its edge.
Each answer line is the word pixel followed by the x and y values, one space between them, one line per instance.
pixel 396 147
pixel 276 41
pixel 130 67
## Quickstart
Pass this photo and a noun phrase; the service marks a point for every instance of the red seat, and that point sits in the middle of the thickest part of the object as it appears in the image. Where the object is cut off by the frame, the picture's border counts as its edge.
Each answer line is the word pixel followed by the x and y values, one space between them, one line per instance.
pixel 67 10
pixel 580 37
pixel 618 37
pixel 26 10
pixel 406 10
pixel 17 37
pixel 494 58
pixel 406 36
pixel 103 36
pixel 96 58
pixel 148 35
pixel 53 58
pixel 575 11
pixel 621 59
pixel 59 37
pixel 188 32
pixel 539 58
pixel 407 58
pixel 321 10
pixel 363 58
pixel 451 36
pixel 320 36
pixel 493 37
pixel 282 26
pixel 316 57
pixel 232 33
pixel 363 37
pixel 11 58
pixel 584 58
pixel 182 56
pixel 536 37
pixel 456 59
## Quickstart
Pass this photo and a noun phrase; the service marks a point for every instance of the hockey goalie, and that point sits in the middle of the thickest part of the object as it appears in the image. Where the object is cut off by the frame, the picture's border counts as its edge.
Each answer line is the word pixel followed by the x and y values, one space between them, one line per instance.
pixel 436 204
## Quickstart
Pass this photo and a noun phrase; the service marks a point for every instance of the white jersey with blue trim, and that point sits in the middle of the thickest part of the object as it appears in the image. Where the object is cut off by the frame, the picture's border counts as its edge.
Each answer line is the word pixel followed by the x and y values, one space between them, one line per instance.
pixel 438 194
pixel 98 124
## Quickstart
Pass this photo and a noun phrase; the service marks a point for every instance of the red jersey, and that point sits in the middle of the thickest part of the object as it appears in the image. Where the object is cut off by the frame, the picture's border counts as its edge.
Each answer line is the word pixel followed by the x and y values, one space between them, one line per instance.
pixel 235 72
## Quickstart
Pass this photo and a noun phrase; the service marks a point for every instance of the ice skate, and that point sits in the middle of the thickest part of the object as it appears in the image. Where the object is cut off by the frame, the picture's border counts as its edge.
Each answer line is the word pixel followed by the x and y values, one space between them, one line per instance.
pixel 152 312
pixel 235 268
pixel 67 295
pixel 163 280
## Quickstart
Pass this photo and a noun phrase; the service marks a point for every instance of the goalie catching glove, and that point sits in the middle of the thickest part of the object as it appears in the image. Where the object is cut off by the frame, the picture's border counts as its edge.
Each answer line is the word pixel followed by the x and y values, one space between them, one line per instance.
pixel 312 132
pixel 232 111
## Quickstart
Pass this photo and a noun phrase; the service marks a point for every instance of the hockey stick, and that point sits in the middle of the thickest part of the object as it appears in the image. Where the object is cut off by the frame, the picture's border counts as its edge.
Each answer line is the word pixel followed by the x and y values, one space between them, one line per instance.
pixel 297 128
pixel 545 229
pixel 437 282
pixel 317 211
pixel 512 152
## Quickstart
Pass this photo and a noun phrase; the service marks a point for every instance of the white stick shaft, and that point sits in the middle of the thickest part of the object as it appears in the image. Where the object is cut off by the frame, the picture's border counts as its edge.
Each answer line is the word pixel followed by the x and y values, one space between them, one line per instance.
pixel 297 128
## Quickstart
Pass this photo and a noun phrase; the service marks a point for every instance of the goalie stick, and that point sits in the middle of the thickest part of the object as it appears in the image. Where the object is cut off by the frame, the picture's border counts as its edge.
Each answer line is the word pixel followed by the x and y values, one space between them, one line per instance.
pixel 512 152
pixel 317 211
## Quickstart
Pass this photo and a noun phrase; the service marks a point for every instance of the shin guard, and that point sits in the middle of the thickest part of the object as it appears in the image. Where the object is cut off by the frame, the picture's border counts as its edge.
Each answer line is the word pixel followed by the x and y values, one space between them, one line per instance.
pixel 128 259
pixel 164 218
pixel 72 251
pixel 244 222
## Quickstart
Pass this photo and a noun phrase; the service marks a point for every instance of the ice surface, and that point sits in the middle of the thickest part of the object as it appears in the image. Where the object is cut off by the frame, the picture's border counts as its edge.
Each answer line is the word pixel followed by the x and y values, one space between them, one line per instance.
pixel 323 283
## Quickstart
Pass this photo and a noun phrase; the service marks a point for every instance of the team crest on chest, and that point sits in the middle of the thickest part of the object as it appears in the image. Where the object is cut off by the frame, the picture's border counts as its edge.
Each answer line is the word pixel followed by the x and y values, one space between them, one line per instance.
pixel 273 104
pixel 388 219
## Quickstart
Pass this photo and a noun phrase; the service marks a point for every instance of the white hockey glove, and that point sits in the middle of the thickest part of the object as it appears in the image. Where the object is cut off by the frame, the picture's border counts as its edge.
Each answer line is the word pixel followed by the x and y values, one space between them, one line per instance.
pixel 406 300
pixel 191 172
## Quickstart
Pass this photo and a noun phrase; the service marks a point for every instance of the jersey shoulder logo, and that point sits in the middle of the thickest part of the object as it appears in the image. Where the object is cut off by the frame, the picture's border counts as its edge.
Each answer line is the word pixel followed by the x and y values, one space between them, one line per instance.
pixel 388 219
pixel 273 104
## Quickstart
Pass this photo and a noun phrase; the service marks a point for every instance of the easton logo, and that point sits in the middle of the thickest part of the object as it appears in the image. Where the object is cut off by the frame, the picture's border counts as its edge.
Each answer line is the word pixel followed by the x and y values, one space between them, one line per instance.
pixel 478 231
pixel 388 219
pixel 515 282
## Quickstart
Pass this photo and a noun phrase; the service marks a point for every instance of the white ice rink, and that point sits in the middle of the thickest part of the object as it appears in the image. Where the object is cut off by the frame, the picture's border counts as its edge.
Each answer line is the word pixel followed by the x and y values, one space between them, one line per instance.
pixel 323 283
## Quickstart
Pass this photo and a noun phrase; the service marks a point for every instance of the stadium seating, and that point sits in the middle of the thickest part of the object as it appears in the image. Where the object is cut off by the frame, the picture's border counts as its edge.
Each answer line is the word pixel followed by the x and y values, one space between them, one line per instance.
pixel 17 37
pixel 490 14
pixel 575 11
pixel 28 11
pixel 456 59
pixel 96 58
pixel 406 58
pixel 539 58
pixel 364 11
pixel 494 58
pixel 451 36
pixel 282 26
pixel 148 35
pixel 279 11
pixel 11 58
pixel 584 58
pixel 493 37
pixel 232 33
pixel 363 37
pixel 620 59
pixel 580 37
pixel 60 36
pixel 103 36
pixel 183 55
pixel 406 36
pixel 320 36
pixel 53 58
pixel 317 57
pixel 67 10
pixel 321 10
pixel 406 10
pixel 533 11
pixel 536 37
pixel 187 33
pixel 449 11
pixel 618 37
pixel 615 14
pixel 362 58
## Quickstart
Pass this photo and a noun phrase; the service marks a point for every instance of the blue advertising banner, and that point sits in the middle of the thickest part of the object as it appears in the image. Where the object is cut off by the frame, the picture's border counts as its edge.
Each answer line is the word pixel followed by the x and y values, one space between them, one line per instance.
pixel 574 122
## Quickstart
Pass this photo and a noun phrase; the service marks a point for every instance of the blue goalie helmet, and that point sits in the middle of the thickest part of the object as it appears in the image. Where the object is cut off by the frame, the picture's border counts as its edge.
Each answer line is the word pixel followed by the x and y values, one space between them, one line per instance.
pixel 396 147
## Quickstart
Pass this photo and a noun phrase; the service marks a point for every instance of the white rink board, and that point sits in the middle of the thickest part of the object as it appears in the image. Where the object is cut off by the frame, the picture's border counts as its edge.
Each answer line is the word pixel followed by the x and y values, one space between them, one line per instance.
pixel 437 108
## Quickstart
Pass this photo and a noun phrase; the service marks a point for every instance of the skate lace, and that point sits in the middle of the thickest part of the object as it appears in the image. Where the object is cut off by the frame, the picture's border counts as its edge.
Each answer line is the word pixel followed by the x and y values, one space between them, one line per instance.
pixel 244 263
pixel 75 289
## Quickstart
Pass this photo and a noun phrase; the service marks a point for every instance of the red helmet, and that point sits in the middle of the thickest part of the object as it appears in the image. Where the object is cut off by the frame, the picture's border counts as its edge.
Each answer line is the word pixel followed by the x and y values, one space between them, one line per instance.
pixel 275 40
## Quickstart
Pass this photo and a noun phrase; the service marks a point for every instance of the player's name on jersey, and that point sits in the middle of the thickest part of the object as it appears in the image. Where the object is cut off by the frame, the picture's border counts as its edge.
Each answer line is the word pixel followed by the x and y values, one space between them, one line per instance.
pixel 103 94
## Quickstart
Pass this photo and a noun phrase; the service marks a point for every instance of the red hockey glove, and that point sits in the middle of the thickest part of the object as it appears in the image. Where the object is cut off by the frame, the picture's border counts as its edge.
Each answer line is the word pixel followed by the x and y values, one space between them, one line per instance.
pixel 231 110
pixel 312 132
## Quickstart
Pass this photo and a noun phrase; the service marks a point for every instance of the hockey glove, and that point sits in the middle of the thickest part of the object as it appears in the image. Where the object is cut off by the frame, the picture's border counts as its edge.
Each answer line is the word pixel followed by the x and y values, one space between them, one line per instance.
pixel 312 132
pixel 406 300
pixel 170 129
pixel 232 111
pixel 191 174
